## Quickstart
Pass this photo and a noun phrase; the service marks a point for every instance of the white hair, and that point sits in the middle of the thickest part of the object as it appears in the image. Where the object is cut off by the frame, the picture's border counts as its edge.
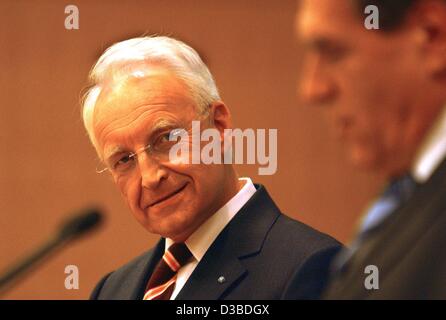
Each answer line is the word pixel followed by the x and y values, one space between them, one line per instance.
pixel 172 54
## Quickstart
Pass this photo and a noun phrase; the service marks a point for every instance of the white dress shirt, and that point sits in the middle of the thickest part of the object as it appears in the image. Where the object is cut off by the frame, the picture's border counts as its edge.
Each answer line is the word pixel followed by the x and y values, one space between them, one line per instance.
pixel 200 241
pixel 432 150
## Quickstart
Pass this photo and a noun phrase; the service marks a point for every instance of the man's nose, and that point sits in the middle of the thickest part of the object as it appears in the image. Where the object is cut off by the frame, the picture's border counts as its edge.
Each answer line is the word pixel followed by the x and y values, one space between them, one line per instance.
pixel 316 88
pixel 152 174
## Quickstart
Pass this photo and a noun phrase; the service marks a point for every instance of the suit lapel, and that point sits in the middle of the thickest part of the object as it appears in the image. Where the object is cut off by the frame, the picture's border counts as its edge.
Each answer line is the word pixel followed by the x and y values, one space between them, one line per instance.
pixel 221 269
pixel 144 269
pixel 206 282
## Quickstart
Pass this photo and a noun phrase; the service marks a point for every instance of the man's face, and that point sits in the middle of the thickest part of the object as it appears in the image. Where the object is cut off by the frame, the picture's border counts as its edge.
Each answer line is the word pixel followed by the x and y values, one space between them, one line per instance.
pixel 366 78
pixel 167 198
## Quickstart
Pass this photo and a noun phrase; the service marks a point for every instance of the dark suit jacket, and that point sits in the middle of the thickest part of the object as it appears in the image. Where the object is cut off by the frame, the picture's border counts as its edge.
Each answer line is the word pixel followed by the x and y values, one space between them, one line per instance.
pixel 409 249
pixel 261 253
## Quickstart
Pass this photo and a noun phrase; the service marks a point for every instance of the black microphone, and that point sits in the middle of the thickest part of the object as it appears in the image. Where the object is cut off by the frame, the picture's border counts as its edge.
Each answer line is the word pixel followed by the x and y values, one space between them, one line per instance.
pixel 71 229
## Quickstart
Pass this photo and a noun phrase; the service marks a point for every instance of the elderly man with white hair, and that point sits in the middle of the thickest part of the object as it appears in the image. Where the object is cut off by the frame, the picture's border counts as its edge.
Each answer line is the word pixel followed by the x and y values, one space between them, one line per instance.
pixel 222 237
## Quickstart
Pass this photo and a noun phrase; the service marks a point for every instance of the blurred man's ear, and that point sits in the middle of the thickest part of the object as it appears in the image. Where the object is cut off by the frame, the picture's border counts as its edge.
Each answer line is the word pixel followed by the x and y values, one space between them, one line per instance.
pixel 430 17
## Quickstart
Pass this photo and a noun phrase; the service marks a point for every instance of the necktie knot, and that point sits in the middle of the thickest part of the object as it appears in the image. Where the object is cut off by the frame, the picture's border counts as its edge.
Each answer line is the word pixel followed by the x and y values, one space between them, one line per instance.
pixel 177 256
pixel 162 281
pixel 395 195
pixel 401 189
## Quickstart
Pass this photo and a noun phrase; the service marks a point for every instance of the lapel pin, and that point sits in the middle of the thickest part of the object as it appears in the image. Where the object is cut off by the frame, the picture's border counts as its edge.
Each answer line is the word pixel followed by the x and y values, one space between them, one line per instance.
pixel 221 279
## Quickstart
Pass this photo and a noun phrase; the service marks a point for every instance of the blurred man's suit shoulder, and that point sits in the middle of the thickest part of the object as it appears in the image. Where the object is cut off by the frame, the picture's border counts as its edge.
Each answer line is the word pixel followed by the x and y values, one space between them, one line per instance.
pixel 412 265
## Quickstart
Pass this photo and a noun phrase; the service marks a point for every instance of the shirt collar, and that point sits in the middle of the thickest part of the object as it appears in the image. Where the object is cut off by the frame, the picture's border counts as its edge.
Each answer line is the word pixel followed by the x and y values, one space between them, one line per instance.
pixel 200 241
pixel 432 150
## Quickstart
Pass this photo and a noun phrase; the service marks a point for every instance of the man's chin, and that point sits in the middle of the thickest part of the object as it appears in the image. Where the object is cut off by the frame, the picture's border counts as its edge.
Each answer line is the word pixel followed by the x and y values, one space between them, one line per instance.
pixel 178 231
pixel 364 160
pixel 174 235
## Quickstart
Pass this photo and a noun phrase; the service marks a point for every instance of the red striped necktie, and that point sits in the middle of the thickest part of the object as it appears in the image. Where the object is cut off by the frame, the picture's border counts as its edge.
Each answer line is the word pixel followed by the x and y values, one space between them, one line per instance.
pixel 162 281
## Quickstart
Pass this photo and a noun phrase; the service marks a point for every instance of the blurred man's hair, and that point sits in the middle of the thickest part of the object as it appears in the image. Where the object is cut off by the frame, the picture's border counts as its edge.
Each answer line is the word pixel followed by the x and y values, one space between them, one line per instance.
pixel 391 12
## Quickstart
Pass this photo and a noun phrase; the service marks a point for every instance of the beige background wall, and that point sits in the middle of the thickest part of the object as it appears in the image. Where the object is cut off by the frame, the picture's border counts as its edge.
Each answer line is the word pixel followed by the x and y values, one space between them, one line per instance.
pixel 47 167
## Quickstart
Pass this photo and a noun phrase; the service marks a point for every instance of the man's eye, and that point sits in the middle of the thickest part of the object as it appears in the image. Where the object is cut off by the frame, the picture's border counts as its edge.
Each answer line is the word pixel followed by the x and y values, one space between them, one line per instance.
pixel 166 139
pixel 123 161
pixel 168 136
pixel 175 134
pixel 334 54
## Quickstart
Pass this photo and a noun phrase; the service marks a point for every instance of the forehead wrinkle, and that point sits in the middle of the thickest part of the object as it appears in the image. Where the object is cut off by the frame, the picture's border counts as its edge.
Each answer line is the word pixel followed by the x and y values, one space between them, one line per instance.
pixel 122 121
pixel 110 152
pixel 162 123
pixel 120 116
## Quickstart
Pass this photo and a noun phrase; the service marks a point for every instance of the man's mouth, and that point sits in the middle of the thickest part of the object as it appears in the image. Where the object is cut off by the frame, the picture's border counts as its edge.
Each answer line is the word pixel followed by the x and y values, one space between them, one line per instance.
pixel 168 196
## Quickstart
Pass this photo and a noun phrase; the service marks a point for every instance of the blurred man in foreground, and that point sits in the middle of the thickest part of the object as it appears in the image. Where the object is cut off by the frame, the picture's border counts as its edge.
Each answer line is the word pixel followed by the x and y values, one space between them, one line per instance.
pixel 385 93
pixel 222 237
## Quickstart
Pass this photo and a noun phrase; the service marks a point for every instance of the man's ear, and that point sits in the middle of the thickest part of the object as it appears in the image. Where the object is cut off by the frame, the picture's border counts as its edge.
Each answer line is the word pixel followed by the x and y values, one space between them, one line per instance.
pixel 220 117
pixel 430 16
pixel 222 120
